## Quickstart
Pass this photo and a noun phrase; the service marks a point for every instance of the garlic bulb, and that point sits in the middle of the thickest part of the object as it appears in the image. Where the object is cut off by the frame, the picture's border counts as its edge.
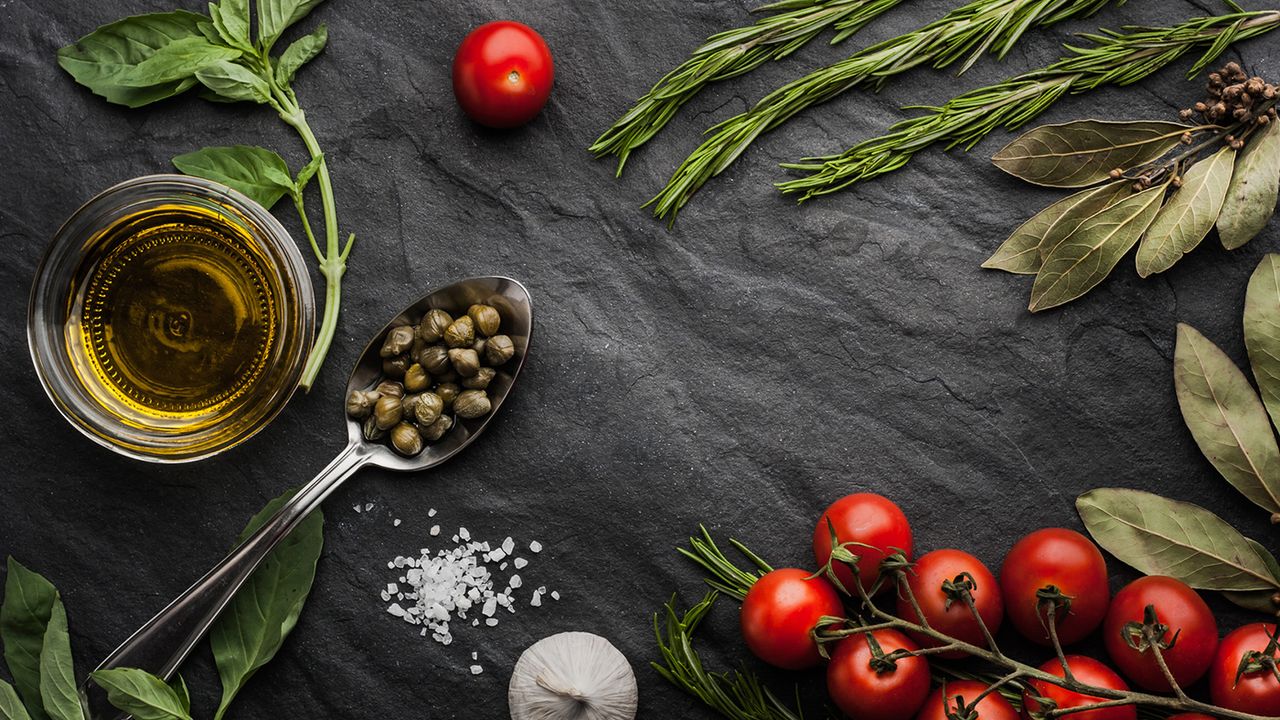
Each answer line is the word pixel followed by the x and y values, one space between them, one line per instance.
pixel 572 676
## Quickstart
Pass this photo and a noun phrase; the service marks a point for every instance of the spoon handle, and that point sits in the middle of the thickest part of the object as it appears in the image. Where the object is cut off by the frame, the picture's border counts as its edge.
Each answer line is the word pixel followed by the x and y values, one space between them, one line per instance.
pixel 161 645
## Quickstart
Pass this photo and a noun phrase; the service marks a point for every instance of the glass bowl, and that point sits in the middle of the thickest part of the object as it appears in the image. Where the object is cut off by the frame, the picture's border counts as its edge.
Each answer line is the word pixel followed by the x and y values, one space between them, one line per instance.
pixel 125 364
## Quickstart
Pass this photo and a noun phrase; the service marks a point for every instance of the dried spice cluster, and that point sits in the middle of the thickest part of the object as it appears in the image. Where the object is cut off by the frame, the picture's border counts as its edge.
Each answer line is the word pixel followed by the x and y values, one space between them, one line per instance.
pixel 1235 97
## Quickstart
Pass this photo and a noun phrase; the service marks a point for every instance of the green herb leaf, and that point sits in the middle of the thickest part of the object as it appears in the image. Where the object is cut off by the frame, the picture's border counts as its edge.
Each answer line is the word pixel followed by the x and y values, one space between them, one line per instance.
pixel 1226 418
pixel 307 172
pixel 231 19
pixel 179 687
pixel 1023 252
pixel 1159 536
pixel 1086 256
pixel 141 694
pixel 1101 198
pixel 1255 185
pixel 1189 214
pixel 234 82
pixel 1081 153
pixel 276 15
pixel 57 670
pixel 10 706
pixel 1262 332
pixel 178 60
pixel 254 171
pixel 265 610
pixel 98 60
pixel 28 603
pixel 301 52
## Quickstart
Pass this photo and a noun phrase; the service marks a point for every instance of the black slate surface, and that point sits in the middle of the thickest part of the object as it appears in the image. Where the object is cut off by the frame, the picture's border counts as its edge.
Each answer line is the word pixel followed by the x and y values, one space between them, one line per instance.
pixel 741 370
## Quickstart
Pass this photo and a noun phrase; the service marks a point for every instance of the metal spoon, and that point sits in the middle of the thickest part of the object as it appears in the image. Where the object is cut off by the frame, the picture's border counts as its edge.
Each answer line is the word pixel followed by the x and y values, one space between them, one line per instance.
pixel 165 640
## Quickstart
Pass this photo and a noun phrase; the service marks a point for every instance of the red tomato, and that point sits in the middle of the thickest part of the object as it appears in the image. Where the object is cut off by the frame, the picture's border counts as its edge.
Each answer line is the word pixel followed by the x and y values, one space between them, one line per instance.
pixel 779 612
pixel 1188 618
pixel 991 707
pixel 1257 691
pixel 862 692
pixel 1090 672
pixel 1190 716
pixel 502 74
pixel 863 518
pixel 1066 560
pixel 952 617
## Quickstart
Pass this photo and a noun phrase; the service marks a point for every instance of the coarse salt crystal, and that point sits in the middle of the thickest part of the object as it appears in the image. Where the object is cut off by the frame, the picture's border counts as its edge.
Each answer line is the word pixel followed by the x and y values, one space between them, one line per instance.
pixel 515 581
pixel 474 655
pixel 464 533
pixel 520 563
pixel 491 622
pixel 536 600
pixel 356 508
pixel 396 523
pixel 508 546
pixel 497 555
pixel 555 594
pixel 368 506
pixel 535 546
pixel 431 512
pixel 476 669
pixel 435 530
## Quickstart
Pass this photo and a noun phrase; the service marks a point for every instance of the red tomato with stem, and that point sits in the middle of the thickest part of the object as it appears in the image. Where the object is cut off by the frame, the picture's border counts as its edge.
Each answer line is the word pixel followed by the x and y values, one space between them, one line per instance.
pixel 868 519
pixel 502 74
pixel 934 580
pixel 872 690
pixel 944 702
pixel 1190 629
pixel 779 612
pixel 1088 671
pixel 1061 559
pixel 1255 690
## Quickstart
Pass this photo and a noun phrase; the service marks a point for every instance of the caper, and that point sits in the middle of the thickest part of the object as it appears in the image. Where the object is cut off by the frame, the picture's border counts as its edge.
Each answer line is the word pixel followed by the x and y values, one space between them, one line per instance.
pixel 433 325
pixel 465 361
pixel 416 379
pixel 428 408
pixel 480 380
pixel 395 366
pixel 360 403
pixel 437 429
pixel 398 341
pixel 472 404
pixel 371 431
pixel 486 319
pixel 416 347
pixel 387 412
pixel 448 392
pixel 479 346
pixel 461 333
pixel 390 387
pixel 406 439
pixel 498 350
pixel 435 359
pixel 408 404
pixel 449 376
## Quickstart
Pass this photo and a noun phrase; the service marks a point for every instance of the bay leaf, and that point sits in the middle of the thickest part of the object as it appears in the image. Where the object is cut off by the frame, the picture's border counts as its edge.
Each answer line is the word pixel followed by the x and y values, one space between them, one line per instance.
pixel 98 60
pixel 1084 152
pixel 1226 418
pixel 1262 332
pixel 1255 600
pixel 1255 186
pixel 1100 199
pixel 1021 254
pixel 1189 214
pixel 10 706
pixel 1159 536
pixel 57 670
pixel 1086 256
pixel 141 694
pixel 24 617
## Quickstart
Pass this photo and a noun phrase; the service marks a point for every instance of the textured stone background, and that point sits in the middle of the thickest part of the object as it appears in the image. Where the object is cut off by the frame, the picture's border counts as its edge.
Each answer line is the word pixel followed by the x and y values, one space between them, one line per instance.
pixel 741 370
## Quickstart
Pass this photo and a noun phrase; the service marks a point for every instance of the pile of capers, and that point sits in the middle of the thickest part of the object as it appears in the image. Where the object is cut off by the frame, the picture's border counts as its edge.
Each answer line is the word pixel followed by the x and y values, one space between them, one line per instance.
pixel 434 370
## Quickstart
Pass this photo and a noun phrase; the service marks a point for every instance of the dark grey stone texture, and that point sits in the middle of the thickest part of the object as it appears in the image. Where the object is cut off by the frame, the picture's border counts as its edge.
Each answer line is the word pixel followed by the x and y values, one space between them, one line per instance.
pixel 741 370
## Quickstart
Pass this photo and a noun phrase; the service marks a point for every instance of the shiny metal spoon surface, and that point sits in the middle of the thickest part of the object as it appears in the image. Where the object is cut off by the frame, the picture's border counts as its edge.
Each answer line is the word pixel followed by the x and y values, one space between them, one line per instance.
pixel 161 645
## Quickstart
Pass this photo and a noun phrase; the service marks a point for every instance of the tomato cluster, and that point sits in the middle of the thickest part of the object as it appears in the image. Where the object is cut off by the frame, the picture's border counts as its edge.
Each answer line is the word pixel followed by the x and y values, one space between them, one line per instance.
pixel 1052 582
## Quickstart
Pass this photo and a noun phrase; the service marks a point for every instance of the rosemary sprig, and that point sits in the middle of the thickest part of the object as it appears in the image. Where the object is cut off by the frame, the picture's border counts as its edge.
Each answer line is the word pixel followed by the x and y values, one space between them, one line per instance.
pixel 1115 58
pixel 969 31
pixel 732 53
pixel 724 574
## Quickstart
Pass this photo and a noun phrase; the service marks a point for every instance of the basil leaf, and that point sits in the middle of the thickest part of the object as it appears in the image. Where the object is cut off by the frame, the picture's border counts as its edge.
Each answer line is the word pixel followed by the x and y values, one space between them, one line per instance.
pixel 1255 186
pixel 1262 332
pixel 24 616
pixel 234 82
pixel 1021 252
pixel 302 51
pixel 1226 418
pixel 1081 153
pixel 141 694
pixel 1188 216
pixel 57 670
pixel 263 613
pixel 178 60
pixel 99 59
pixel 255 171
pixel 307 172
pixel 180 689
pixel 276 15
pixel 231 19
pixel 1085 257
pixel 10 706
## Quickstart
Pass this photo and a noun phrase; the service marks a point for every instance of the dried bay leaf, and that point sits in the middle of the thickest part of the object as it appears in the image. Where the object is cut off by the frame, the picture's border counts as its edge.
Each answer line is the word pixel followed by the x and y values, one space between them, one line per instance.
pixel 1081 153
pixel 1099 199
pixel 1226 418
pixel 1159 536
pixel 1085 257
pixel 1189 214
pixel 1262 332
pixel 1023 251
pixel 1255 185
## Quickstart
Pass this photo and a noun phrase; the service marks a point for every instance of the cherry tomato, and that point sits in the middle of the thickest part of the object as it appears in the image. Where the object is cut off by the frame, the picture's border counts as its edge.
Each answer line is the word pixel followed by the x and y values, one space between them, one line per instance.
pixel 1190 716
pixel 779 612
pixel 991 707
pixel 502 74
pixel 864 518
pixel 1063 559
pixel 946 613
pixel 1192 631
pixel 1090 672
pixel 862 692
pixel 1256 691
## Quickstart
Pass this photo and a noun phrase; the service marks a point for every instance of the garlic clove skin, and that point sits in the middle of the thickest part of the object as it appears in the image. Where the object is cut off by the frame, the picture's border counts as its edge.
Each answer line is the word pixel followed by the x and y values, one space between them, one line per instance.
pixel 572 676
